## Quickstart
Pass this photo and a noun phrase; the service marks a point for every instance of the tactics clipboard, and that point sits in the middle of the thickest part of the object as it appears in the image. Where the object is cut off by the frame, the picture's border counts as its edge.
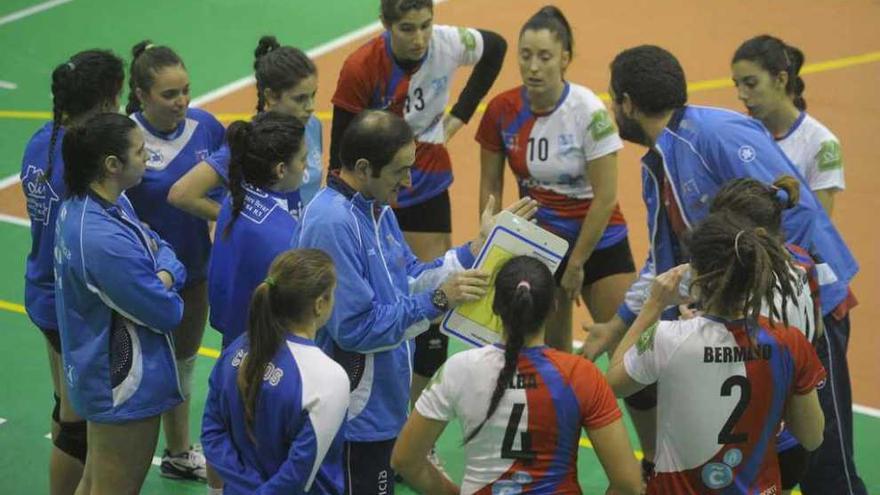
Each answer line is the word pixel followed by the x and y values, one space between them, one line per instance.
pixel 475 323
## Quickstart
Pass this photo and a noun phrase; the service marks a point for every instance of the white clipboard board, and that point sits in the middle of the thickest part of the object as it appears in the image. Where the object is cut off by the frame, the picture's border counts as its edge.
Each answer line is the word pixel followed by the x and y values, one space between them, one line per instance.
pixel 475 323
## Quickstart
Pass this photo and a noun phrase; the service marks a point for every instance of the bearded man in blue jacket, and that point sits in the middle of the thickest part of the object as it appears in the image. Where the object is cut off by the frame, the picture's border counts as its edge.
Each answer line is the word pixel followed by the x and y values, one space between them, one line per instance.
pixel 692 151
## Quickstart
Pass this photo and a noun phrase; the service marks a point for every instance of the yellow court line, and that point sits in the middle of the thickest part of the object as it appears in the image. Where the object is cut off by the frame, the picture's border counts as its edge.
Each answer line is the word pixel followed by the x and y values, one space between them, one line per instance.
pixel 694 87
pixel 18 308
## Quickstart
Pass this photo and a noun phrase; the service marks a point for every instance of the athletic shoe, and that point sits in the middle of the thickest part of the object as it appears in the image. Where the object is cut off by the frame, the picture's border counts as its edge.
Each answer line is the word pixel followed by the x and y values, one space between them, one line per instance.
pixel 188 465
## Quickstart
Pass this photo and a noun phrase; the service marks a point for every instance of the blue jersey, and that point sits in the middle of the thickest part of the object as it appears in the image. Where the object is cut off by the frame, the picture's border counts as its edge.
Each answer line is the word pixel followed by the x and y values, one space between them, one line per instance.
pixel 170 156
pixel 240 261
pixel 295 445
pixel 115 315
pixel 44 196
pixel 219 161
pixel 383 301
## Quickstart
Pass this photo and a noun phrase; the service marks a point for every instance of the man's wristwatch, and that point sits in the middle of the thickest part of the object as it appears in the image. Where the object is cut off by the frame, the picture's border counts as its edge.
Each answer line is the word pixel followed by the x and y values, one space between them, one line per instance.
pixel 440 301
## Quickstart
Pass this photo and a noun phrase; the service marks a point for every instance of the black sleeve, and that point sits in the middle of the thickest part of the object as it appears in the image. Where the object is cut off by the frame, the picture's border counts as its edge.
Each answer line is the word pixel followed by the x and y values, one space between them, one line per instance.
pixel 482 77
pixel 341 120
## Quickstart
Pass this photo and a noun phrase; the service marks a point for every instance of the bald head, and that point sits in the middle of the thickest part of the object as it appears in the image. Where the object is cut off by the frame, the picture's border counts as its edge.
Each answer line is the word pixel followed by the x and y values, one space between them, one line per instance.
pixel 375 136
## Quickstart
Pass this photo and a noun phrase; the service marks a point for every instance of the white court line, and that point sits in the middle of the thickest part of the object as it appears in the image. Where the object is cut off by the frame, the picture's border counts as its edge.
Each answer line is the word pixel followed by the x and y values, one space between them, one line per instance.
pixel 21 222
pixel 10 180
pixel 48 436
pixel 867 411
pixel 2 420
pixel 312 53
pixel 8 85
pixel 35 9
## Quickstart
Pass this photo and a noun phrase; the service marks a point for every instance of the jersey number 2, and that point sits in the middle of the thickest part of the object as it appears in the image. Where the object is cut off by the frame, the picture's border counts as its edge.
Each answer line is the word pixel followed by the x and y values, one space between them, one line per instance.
pixel 726 435
pixel 525 438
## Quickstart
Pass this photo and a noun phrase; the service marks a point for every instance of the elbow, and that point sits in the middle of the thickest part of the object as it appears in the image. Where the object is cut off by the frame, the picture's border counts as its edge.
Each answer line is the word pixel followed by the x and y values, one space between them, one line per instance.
pixel 177 196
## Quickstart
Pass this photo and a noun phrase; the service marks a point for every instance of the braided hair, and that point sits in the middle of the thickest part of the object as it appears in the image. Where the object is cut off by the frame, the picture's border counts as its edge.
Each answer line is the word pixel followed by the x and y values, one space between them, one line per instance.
pixel 524 289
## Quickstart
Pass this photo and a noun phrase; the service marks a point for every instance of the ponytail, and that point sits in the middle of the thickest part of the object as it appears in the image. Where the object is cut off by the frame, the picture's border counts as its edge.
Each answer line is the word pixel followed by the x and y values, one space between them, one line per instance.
pixel 774 56
pixel 83 84
pixel 255 148
pixel 146 61
pixel 296 279
pixel 524 290
pixel 551 18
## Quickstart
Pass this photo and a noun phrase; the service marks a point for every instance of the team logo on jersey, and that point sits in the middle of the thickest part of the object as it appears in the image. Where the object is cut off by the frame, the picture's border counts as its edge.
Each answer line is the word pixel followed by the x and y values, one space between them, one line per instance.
pixel 829 157
pixel 646 340
pixel 511 141
pixel 601 125
pixel 40 195
pixel 202 155
pixel 155 160
pixel 467 39
pixel 717 475
pixel 506 487
pixel 746 153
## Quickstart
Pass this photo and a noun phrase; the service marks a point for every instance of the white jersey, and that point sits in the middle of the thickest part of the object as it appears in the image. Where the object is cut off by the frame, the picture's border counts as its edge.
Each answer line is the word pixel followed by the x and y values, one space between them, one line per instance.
pixel 815 151
pixel 721 391
pixel 530 443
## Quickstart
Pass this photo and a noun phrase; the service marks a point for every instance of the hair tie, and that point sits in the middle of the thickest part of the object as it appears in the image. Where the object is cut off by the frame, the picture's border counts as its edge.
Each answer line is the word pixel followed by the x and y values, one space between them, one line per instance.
pixel 270 281
pixel 736 246
pixel 781 195
pixel 71 65
pixel 149 45
pixel 524 283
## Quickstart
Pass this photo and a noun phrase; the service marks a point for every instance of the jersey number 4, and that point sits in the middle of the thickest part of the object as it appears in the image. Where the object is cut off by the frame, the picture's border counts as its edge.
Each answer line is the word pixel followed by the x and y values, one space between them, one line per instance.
pixel 726 435
pixel 507 451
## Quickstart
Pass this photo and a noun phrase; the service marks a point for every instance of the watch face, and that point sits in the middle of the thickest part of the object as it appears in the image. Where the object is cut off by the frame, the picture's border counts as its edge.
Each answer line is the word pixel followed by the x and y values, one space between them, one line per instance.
pixel 439 299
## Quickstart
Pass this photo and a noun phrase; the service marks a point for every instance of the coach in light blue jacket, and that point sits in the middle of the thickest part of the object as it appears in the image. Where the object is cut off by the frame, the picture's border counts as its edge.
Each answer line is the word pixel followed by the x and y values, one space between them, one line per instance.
pixel 115 308
pixel 385 295
pixel 692 152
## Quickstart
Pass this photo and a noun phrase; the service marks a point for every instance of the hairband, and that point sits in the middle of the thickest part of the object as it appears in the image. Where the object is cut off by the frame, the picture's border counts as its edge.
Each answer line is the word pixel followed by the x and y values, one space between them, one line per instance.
pixel 736 246
pixel 149 45
pixel 269 281
pixel 71 65
pixel 524 283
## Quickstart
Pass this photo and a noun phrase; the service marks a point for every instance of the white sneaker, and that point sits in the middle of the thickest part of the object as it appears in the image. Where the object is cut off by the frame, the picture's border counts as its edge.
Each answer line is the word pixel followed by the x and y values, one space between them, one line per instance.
pixel 188 465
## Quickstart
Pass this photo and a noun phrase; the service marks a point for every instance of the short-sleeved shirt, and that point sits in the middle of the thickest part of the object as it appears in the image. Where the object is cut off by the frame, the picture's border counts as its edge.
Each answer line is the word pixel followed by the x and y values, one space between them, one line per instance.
pixel 815 151
pixel 371 79
pixel 530 443
pixel 169 157
pixel 722 389
pixel 549 152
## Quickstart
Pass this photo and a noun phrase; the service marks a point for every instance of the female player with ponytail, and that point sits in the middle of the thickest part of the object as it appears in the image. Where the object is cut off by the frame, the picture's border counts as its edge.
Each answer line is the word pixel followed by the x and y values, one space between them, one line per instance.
pixel 254 226
pixel 561 145
pixel 87 84
pixel 177 138
pixel 766 72
pixel 118 305
pixel 276 403
pixel 727 378
pixel 287 81
pixel 522 406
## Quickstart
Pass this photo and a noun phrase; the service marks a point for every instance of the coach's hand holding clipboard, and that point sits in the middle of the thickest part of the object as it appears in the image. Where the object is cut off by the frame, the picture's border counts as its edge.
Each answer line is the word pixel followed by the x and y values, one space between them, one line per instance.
pixel 471 286
pixel 503 236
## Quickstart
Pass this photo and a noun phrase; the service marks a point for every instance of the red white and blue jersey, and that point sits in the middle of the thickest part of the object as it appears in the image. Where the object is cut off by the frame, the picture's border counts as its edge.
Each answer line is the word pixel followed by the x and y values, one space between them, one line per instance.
pixel 549 153
pixel 530 443
pixel 722 390
pixel 370 78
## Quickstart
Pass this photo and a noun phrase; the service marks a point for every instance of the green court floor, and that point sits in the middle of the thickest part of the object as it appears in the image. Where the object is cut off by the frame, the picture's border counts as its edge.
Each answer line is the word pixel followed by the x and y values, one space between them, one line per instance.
pixel 217 38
